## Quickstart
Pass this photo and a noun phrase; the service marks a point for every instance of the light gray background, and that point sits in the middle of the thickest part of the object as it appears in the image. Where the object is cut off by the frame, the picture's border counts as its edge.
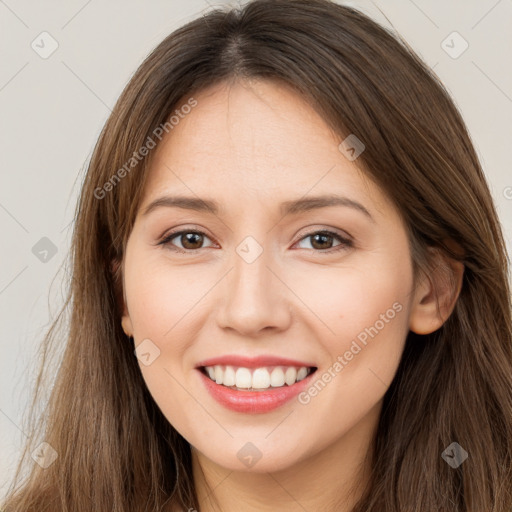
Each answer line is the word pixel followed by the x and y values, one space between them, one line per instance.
pixel 52 111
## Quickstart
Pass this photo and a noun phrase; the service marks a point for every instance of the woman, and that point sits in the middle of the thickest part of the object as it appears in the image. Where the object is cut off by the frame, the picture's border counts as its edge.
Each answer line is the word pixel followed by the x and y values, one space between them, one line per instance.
pixel 339 339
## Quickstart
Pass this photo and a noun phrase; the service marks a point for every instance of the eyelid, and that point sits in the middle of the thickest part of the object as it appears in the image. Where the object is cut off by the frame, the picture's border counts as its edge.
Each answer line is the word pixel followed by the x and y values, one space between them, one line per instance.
pixel 179 230
pixel 311 230
pixel 173 233
pixel 346 241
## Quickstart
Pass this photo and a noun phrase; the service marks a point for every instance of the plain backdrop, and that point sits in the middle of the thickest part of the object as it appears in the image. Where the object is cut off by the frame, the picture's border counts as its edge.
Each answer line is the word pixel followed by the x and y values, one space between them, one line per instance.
pixel 54 106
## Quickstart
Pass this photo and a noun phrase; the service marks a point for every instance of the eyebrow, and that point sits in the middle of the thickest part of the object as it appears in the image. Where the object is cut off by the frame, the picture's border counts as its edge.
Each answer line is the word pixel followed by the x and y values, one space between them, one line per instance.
pixel 292 207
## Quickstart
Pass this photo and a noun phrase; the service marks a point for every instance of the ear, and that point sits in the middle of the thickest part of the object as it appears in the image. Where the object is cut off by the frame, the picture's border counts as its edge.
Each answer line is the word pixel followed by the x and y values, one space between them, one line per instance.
pixel 436 293
pixel 116 269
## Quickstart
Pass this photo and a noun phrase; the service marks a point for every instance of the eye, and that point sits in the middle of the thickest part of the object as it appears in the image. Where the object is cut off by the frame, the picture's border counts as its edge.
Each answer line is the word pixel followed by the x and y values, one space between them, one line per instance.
pixel 189 238
pixel 322 239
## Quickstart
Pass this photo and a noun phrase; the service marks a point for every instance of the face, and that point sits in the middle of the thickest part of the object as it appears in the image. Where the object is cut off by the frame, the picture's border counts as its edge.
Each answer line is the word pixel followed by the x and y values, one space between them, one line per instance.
pixel 317 285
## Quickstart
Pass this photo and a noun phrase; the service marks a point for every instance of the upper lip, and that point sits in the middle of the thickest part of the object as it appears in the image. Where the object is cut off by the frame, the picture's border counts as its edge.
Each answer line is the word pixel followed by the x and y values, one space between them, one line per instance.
pixel 253 362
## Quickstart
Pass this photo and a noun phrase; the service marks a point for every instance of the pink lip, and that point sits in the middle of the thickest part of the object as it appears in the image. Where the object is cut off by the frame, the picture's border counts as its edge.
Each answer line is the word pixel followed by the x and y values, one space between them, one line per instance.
pixel 253 362
pixel 255 402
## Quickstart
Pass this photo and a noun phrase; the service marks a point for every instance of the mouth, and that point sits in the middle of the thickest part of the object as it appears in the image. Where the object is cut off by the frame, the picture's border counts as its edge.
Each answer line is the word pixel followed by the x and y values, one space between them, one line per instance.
pixel 255 390
pixel 259 379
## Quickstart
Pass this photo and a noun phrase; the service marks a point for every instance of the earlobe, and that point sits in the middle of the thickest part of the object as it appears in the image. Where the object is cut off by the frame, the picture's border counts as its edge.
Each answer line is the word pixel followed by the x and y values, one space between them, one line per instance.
pixel 126 322
pixel 436 294
pixel 127 325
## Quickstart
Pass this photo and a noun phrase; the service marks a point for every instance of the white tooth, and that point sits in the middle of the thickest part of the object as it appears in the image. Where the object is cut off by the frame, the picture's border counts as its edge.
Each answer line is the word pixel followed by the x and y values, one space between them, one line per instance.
pixel 218 374
pixel 302 373
pixel 243 378
pixel 260 378
pixel 277 377
pixel 290 375
pixel 229 376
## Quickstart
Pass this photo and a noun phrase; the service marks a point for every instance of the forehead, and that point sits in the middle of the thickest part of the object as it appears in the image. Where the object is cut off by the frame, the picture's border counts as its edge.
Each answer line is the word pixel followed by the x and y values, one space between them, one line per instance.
pixel 257 138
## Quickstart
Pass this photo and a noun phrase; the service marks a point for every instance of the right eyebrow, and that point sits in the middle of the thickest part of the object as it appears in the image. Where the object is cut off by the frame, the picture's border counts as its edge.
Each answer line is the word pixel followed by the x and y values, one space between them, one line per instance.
pixel 187 203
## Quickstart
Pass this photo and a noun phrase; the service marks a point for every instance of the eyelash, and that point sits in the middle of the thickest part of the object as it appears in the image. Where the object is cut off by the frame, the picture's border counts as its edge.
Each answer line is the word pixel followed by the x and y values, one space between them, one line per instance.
pixel 345 243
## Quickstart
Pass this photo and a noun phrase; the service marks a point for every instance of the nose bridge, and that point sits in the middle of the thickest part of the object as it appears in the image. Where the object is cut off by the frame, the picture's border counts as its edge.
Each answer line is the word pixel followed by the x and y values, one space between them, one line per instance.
pixel 251 261
pixel 251 280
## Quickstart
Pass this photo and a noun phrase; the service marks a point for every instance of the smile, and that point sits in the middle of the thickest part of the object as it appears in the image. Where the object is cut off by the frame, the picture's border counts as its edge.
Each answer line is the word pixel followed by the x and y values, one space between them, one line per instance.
pixel 254 379
pixel 256 390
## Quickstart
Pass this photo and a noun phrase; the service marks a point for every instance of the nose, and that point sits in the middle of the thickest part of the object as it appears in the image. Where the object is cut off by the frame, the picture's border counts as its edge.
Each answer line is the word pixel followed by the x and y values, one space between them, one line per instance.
pixel 253 297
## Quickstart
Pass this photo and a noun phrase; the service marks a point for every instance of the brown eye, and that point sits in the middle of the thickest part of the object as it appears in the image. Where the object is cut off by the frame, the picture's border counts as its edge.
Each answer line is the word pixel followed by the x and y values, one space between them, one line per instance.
pixel 323 241
pixel 189 240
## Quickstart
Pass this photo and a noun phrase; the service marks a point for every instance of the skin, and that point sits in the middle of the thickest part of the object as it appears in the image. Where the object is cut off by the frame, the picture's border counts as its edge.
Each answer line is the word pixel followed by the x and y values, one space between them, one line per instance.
pixel 251 146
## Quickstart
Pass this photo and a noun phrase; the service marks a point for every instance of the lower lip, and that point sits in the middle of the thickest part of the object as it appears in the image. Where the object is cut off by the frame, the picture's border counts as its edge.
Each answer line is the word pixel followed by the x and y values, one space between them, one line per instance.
pixel 254 401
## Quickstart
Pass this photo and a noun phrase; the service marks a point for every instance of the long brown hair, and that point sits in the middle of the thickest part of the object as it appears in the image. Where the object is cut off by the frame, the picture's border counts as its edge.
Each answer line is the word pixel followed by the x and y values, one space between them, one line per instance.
pixel 116 451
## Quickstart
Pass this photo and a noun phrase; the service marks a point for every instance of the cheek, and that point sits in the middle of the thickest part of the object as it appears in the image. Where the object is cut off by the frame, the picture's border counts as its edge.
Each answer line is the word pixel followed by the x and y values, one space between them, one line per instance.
pixel 367 310
pixel 343 301
pixel 156 293
pixel 161 300
pixel 166 301
pixel 372 324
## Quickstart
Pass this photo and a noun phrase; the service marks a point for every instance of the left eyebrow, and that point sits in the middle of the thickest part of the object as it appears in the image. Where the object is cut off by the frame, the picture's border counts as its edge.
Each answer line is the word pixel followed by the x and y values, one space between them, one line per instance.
pixel 293 207
pixel 313 203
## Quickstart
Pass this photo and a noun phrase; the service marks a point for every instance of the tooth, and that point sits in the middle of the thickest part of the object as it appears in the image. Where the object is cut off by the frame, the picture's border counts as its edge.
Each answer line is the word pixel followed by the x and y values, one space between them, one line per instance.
pixel 290 375
pixel 218 374
pixel 243 378
pixel 277 377
pixel 302 373
pixel 229 376
pixel 257 378
pixel 260 378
